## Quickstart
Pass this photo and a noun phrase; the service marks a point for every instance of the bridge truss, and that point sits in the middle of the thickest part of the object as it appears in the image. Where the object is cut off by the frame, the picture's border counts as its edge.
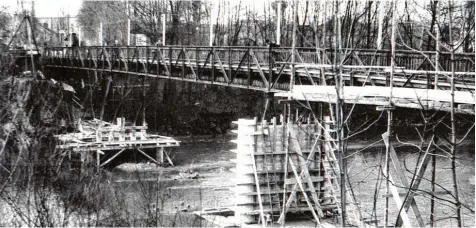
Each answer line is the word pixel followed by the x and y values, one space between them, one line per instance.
pixel 269 70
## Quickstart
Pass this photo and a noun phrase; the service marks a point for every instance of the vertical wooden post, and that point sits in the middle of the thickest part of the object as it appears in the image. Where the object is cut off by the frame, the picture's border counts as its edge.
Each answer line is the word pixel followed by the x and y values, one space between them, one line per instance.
pixel 213 64
pixel 98 160
pixel 270 65
pixel 170 62
pixel 82 160
pixel 388 146
pixel 197 66
pixel 432 202
pixel 230 63
pixel 146 70
pixel 108 84
pixel 143 101
pixel 352 78
pixel 453 143
pixel 183 62
pixel 159 155
pixel 249 67
pixel 158 54
pixel 255 172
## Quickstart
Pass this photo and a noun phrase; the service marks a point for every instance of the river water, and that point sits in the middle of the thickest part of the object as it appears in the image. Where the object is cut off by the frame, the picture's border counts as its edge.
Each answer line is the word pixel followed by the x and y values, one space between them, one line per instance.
pixel 210 158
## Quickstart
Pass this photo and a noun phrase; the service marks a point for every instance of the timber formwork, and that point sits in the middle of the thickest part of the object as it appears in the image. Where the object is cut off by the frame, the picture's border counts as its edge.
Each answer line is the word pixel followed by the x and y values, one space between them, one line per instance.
pixel 261 167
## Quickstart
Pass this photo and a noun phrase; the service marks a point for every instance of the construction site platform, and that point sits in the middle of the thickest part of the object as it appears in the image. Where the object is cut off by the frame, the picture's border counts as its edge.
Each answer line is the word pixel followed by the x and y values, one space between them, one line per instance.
pixel 101 135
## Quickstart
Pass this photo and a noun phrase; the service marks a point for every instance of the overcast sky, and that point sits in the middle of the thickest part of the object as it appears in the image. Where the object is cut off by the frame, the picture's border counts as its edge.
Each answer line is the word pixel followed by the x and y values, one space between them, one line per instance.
pixel 47 8
pixel 54 8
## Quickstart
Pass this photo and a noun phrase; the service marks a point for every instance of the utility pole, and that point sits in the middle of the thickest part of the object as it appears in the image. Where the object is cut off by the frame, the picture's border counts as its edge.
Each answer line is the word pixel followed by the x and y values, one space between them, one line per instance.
pixel 128 28
pixel 437 46
pixel 79 36
pixel 69 32
pixel 163 28
pixel 211 23
pixel 100 35
pixel 278 24
pixel 380 24
pixel 293 49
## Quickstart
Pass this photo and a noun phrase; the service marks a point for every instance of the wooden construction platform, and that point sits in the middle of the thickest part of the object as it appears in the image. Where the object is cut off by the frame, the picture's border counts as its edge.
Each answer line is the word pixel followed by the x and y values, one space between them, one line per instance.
pixel 103 137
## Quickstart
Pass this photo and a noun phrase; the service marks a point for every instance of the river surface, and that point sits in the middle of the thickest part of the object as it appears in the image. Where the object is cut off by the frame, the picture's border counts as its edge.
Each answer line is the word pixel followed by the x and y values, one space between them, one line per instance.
pixel 210 158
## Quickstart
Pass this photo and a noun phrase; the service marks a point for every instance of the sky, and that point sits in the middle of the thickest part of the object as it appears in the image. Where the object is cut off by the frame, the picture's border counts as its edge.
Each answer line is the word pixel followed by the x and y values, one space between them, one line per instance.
pixel 47 8
pixel 52 8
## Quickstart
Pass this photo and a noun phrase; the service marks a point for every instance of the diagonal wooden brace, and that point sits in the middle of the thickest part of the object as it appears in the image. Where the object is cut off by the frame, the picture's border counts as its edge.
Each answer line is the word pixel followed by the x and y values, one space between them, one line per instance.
pixel 401 175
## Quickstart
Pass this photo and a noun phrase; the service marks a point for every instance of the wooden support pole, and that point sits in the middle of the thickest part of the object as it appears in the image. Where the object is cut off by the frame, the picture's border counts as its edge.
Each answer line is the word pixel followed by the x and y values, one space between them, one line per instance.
pixel 284 120
pixel 249 81
pixel 143 102
pixel 171 64
pixel 146 155
pixel 159 155
pixel 98 159
pixel 255 174
pixel 388 145
pixel 168 158
pixel 104 101
pixel 453 143
pixel 401 174
pixel 82 160
pixel 398 201
pixel 213 64
pixel 432 201
pixel 112 158
pixel 303 190
pixel 410 200
pixel 305 170
pixel 288 203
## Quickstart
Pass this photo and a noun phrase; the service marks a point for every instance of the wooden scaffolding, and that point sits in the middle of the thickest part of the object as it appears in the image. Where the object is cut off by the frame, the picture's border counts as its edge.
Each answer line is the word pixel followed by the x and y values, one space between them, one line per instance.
pixel 96 137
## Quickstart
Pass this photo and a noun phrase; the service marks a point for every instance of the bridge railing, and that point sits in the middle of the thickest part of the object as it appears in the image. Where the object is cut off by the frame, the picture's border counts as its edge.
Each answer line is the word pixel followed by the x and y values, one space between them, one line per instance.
pixel 414 60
